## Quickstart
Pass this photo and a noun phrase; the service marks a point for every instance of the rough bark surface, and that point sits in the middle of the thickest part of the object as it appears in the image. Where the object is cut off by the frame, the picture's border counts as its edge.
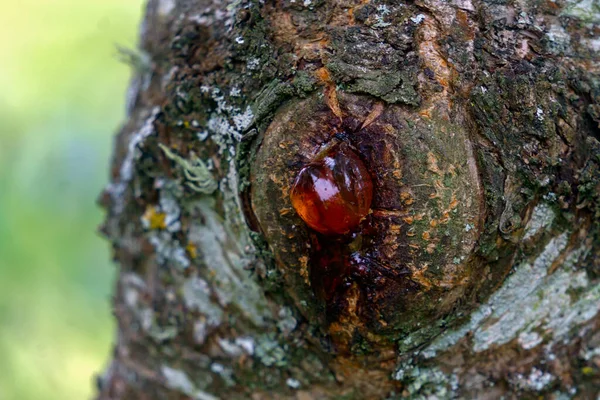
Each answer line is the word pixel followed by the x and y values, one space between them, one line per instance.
pixel 480 272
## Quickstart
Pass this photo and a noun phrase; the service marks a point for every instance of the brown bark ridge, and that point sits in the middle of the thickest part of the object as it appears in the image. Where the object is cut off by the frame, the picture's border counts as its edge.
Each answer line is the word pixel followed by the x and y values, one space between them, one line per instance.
pixel 476 273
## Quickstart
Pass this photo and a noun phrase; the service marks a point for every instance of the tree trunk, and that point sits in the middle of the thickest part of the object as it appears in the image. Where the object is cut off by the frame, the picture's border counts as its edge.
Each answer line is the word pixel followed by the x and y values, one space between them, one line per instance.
pixel 475 274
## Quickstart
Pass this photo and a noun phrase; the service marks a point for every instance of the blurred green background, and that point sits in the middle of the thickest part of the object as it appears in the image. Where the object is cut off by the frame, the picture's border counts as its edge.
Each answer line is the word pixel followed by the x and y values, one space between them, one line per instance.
pixel 62 94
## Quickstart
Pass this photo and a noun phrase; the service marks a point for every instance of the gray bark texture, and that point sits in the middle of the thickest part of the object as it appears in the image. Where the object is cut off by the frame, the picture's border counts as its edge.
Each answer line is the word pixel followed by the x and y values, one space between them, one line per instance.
pixel 476 273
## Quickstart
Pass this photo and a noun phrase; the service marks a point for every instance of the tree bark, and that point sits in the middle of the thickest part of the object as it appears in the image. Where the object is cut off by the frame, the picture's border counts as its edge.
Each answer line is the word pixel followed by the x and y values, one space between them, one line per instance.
pixel 476 273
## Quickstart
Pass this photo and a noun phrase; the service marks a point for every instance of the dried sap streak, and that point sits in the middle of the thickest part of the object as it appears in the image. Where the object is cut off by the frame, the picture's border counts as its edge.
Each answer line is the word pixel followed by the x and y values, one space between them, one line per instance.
pixel 333 193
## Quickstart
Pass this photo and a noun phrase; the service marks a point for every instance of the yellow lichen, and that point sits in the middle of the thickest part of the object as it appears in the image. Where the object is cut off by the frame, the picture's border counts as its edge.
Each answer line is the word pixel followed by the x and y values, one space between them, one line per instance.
pixel 587 370
pixel 155 219
pixel 192 250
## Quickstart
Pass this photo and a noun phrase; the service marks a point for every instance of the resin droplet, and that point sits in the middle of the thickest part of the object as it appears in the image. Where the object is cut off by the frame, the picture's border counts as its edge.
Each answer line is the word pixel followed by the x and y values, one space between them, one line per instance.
pixel 333 194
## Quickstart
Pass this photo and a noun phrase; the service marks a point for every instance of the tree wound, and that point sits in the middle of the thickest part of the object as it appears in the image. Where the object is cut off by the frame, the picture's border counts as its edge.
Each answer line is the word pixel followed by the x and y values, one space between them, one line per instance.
pixel 410 260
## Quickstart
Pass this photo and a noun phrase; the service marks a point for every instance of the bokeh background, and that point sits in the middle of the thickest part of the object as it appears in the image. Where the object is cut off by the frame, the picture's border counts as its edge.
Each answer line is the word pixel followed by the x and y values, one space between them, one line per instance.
pixel 62 92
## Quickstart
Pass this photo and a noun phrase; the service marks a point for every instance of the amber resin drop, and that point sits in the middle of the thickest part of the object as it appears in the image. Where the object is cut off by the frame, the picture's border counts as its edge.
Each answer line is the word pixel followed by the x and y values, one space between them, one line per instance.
pixel 333 194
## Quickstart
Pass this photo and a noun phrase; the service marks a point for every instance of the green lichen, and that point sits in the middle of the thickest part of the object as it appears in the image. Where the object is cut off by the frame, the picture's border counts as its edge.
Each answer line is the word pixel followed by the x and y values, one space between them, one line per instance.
pixel 195 171
pixel 585 10
pixel 541 218
pixel 392 87
pixel 226 262
pixel 287 322
pixel 425 383
pixel 546 303
pixel 270 352
pixel 270 98
pixel 304 83
pixel 225 373
pixel 197 296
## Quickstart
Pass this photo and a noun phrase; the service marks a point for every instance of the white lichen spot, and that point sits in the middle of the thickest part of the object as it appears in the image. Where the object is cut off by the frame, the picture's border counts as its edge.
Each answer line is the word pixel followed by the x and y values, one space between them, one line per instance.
pixel 217 368
pixel 202 135
pixel 383 9
pixel 170 207
pixel 592 44
pixel 244 120
pixel 550 197
pixel 468 227
pixel 541 218
pixel 178 380
pixel 239 40
pixel 222 131
pixel 427 383
pixel 559 39
pixel 132 285
pixel 528 340
pixel 287 323
pixel 168 249
pixel 418 19
pixel 539 113
pixel 229 347
pixel 253 64
pixel 197 297
pixel 270 352
pixel 307 3
pixel 246 343
pixel 235 92
pixel 591 353
pixel 536 380
pixel 219 98
pixel 180 257
pixel 131 297
pixel 224 372
pixel 293 383
pixel 117 189
pixel 583 310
